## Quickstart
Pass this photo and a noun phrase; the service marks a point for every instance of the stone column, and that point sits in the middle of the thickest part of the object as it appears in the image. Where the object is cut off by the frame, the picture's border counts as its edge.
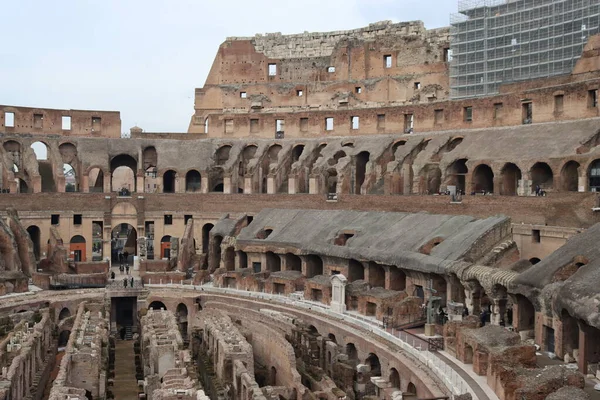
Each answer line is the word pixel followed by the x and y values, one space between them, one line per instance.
pixel 139 184
pixel 498 310
pixel 472 298
pixel 227 185
pixel 204 182
pixel 178 186
pixel 313 185
pixel 107 182
pixel 248 185
pixel 583 183
pixel 84 184
pixel 292 185
pixel 270 185
pixel 406 173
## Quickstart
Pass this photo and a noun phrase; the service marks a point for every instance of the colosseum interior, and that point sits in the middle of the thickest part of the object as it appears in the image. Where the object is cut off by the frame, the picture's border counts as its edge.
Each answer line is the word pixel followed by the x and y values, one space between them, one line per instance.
pixel 334 225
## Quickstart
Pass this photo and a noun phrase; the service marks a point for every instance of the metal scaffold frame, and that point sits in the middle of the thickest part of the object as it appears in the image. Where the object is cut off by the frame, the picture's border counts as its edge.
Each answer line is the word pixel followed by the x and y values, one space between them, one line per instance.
pixel 502 41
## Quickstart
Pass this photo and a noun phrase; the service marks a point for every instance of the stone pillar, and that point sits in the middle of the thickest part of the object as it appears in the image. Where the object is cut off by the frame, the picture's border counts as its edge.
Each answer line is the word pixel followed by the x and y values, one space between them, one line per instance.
pixel 84 185
pixel 139 184
pixel 406 172
pixel 313 185
pixel 498 311
pixel 227 185
pixel 248 185
pixel 582 183
pixel 472 298
pixel 204 182
pixel 582 361
pixel 292 185
pixel 178 187
pixel 36 183
pixel 270 185
pixel 107 183
pixel 338 293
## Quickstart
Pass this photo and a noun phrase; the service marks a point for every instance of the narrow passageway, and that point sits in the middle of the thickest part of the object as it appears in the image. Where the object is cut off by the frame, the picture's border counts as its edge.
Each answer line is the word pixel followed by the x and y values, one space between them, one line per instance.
pixel 125 384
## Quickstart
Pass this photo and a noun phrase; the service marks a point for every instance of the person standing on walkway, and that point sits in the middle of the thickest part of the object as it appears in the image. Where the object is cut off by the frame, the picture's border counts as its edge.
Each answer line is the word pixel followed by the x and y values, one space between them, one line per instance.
pixel 125 282
pixel 132 281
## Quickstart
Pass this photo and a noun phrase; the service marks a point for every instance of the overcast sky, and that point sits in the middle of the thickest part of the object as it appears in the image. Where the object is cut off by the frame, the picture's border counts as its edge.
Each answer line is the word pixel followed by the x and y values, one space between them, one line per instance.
pixel 144 58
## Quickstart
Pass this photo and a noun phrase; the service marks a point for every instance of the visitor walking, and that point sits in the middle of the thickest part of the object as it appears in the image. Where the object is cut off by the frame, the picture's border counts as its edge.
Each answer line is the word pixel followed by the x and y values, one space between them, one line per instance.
pixel 125 282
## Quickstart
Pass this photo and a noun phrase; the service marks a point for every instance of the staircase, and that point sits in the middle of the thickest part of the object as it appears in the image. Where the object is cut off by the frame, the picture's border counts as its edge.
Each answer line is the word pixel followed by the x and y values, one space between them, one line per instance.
pixel 128 333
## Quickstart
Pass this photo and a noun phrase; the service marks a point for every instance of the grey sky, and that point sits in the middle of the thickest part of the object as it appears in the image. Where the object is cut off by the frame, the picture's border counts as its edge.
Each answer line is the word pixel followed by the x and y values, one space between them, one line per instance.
pixel 144 58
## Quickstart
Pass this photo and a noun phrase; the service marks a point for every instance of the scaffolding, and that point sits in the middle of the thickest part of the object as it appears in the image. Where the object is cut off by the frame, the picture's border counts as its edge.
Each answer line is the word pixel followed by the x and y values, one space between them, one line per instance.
pixel 501 41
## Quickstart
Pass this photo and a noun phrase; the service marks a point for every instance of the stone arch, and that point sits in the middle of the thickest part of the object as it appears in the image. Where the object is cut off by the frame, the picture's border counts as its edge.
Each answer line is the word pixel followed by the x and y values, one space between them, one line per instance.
pixel 123 169
pixel 356 270
pixel 157 305
pixel 525 320
pixel 397 279
pixel 165 247
pixel 468 357
pixel 456 174
pixel 169 181
pixel 206 236
pixel 542 176
pixel 373 361
pixel 297 152
pixel 570 333
pixel 182 318
pixel 351 351
pixel 394 378
pixel 192 181
pixel 35 235
pixel 273 262
pixel 95 180
pixel 123 239
pixel 483 179
pixel 569 176
pixel 68 152
pixel 63 338
pixel 534 260
pixel 222 154
pixel 45 168
pixel 64 313
pixel 431 176
pixel 361 162
pixel 314 266
pixel 77 248
pixel 411 389
pixel 273 376
pixel 510 175
pixel 293 262
pixel 594 176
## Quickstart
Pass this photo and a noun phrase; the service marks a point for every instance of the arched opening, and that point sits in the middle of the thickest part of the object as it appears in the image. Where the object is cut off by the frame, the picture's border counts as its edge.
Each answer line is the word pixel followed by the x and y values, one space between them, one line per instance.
pixel 293 262
pixel 165 247
pixel 88 395
pixel 214 255
pixel 351 351
pixel 314 266
pixel 242 259
pixel 95 180
pixel 123 243
pixel 356 271
pixel 297 152
pixel 361 167
pixel 123 170
pixel 77 248
pixel 63 339
pixel 569 177
pixel 192 181
pixel 483 179
pixel 222 155
pixel 97 234
pixel 331 181
pixel 468 354
pixel 218 188
pixel 206 236
pixel 157 305
pixel 373 362
pixel 68 152
pixel 411 389
pixel 273 377
pixel 34 235
pixel 397 279
pixel 594 176
pixel 456 175
pixel 570 333
pixel 247 155
pixel 526 315
pixel 40 150
pixel 331 337
pixel 534 260
pixel 182 319
pixel 229 260
pixel 64 313
pixel 510 177
pixel 169 178
pixel 394 378
pixel 23 188
pixel 273 262
pixel 376 275
pixel 432 178
pixel 542 176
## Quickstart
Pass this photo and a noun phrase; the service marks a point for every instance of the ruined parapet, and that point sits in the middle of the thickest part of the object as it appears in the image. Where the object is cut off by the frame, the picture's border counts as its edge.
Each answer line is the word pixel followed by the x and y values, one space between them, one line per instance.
pixel 9 256
pixel 84 364
pixel 166 364
pixel 22 351
pixel 56 261
pixel 24 243
pixel 186 256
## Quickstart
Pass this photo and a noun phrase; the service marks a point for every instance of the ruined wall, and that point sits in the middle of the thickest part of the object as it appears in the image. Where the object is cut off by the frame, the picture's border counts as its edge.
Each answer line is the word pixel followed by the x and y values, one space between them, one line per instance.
pixel 46 121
